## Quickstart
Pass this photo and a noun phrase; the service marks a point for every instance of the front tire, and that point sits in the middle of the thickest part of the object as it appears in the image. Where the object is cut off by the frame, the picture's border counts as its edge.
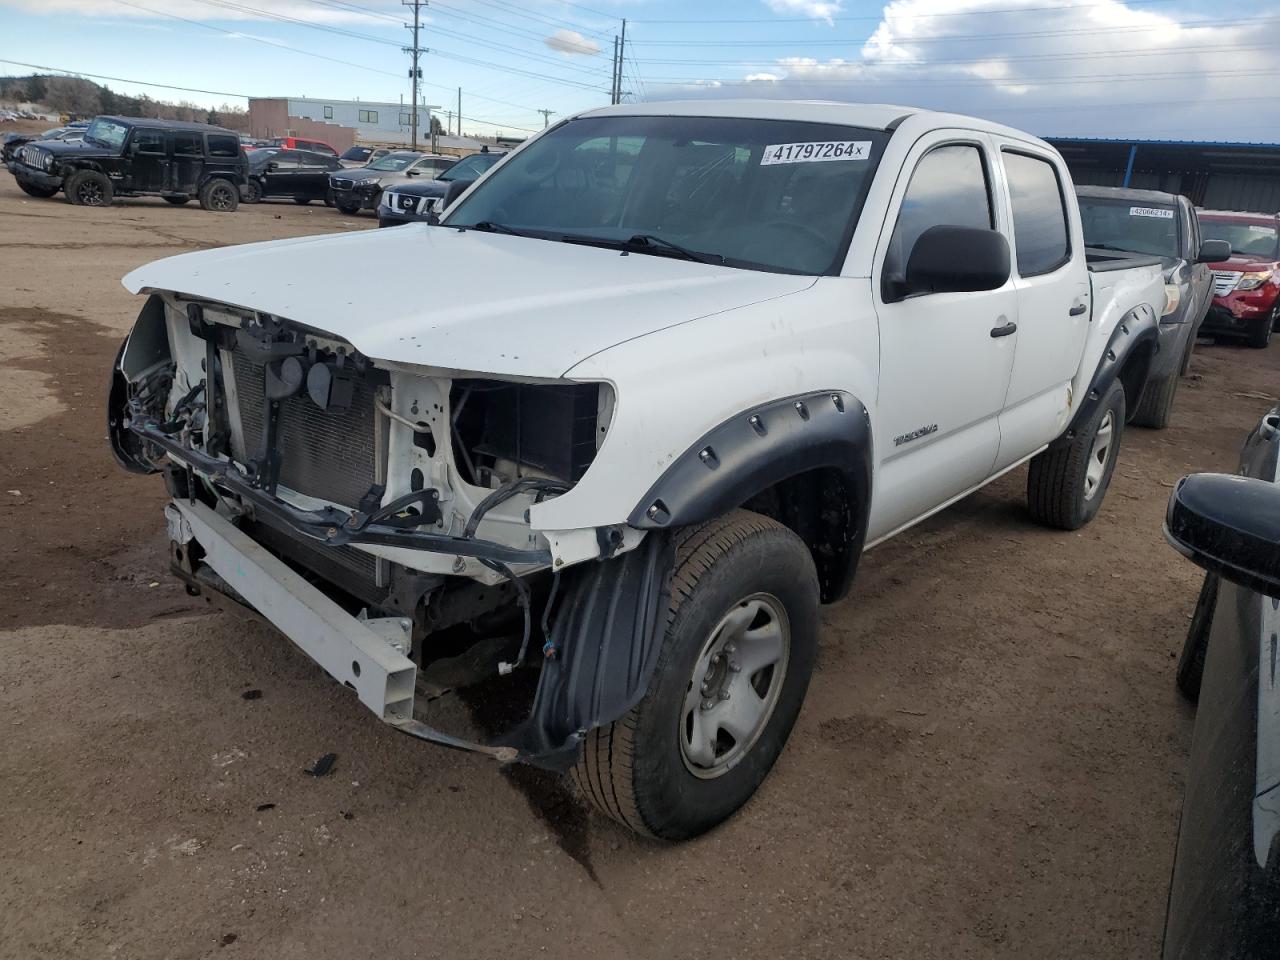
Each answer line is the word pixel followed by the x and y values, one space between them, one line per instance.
pixel 89 188
pixel 1156 404
pixel 1191 662
pixel 302 201
pixel 220 196
pixel 350 209
pixel 1260 333
pixel 1066 484
pixel 736 656
pixel 177 201
pixel 252 192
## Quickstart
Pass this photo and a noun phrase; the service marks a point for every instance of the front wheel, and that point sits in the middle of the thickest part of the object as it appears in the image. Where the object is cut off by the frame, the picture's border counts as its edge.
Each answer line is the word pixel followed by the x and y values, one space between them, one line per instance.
pixel 1191 662
pixel 252 192
pixel 89 188
pixel 177 201
pixel 1066 483
pixel 1260 332
pixel 302 201
pixel 219 195
pixel 736 656
pixel 350 209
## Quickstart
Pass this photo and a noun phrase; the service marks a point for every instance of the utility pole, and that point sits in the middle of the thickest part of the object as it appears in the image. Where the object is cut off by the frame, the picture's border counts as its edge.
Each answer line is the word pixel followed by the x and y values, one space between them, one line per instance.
pixel 459 111
pixel 622 56
pixel 546 117
pixel 415 74
pixel 613 86
pixel 449 127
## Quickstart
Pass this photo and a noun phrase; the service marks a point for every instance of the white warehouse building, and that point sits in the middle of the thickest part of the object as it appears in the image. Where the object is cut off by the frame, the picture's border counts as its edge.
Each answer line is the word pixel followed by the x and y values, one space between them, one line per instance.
pixel 303 116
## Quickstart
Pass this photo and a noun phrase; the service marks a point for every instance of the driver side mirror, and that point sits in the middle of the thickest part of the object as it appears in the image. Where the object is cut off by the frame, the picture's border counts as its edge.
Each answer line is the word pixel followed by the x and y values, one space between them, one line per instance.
pixel 1213 251
pixel 272 167
pixel 1230 526
pixel 950 259
pixel 413 173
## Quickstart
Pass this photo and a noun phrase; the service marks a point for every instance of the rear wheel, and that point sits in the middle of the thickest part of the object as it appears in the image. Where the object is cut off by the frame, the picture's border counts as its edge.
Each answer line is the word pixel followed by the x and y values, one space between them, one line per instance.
pixel 302 201
pixel 347 207
pixel 732 671
pixel 220 195
pixel 89 188
pixel 1066 484
pixel 35 190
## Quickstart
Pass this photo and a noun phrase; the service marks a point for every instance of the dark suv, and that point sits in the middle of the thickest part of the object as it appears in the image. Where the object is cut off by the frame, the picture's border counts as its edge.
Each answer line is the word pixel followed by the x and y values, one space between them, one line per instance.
pixel 127 156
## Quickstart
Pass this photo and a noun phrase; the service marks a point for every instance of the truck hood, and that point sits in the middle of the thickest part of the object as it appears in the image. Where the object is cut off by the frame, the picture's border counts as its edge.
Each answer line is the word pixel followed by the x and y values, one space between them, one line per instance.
pixel 464 300
pixel 73 148
pixel 1245 263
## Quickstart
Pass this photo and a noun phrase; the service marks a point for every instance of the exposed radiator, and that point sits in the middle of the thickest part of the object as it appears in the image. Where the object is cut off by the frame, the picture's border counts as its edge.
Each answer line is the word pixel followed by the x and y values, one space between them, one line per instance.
pixel 331 456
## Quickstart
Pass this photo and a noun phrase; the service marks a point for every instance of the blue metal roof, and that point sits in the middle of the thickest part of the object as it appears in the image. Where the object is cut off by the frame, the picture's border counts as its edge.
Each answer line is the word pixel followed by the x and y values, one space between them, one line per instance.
pixel 1126 141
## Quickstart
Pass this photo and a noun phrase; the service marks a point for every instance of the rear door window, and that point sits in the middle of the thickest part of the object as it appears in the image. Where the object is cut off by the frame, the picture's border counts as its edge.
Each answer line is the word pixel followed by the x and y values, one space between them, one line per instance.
pixel 1042 243
pixel 186 145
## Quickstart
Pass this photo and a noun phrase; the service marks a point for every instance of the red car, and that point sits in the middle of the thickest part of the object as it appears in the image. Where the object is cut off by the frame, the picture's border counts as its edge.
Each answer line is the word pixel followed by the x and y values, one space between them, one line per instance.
pixel 1246 288
pixel 302 143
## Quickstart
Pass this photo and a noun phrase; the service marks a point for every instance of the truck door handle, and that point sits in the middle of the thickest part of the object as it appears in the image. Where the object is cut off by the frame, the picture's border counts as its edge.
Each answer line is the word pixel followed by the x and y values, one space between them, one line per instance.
pixel 1078 309
pixel 1005 330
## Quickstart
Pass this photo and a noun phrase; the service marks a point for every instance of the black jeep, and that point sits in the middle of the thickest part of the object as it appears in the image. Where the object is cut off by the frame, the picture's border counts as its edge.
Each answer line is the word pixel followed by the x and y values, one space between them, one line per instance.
pixel 131 157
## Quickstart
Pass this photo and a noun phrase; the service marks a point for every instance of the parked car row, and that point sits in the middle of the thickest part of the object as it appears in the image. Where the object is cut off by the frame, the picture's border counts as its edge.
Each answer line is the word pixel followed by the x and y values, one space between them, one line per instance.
pixel 92 163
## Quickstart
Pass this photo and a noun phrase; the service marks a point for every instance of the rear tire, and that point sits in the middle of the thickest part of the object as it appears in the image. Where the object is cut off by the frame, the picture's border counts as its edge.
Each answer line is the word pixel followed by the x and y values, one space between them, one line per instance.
pixel 302 201
pixel 1260 333
pixel 350 209
pixel 220 196
pixel 1066 484
pixel 1191 663
pixel 744 592
pixel 1156 403
pixel 89 188
pixel 35 190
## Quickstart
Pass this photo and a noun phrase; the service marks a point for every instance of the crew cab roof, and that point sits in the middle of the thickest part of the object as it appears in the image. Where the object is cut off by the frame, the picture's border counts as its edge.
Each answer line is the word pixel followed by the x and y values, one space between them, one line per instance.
pixel 1126 193
pixel 872 116
pixel 169 124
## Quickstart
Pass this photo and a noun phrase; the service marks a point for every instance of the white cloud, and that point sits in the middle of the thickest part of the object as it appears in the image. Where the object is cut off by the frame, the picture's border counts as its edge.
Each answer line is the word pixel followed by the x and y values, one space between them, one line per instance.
pixel 818 9
pixel 762 78
pixel 1075 69
pixel 572 43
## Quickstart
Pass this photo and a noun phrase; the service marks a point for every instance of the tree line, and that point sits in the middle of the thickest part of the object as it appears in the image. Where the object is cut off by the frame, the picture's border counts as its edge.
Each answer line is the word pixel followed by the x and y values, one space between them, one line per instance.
pixel 84 98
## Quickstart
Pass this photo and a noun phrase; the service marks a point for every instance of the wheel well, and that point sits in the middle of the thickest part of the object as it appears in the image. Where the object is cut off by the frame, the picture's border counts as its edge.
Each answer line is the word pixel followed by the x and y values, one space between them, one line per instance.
pixel 1133 375
pixel 821 507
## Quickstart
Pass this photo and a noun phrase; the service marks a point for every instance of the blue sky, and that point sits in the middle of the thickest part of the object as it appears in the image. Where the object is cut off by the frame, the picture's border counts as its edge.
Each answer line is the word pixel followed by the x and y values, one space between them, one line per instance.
pixel 1149 68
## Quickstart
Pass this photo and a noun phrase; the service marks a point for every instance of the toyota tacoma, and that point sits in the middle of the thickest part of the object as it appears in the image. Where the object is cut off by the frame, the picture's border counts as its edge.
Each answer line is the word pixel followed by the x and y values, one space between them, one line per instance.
pixel 683 364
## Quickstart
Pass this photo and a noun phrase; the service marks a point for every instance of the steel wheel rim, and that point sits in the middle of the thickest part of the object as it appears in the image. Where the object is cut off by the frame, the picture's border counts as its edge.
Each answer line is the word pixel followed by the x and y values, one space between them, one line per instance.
pixel 220 198
pixel 90 193
pixel 735 685
pixel 1098 455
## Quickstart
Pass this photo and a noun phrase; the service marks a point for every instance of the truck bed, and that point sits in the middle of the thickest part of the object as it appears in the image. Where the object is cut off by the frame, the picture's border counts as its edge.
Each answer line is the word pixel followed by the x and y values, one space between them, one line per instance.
pixel 1102 261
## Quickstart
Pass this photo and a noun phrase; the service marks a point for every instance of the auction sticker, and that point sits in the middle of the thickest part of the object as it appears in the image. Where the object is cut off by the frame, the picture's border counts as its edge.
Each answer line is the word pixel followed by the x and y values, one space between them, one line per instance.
pixel 816 152
pixel 1157 212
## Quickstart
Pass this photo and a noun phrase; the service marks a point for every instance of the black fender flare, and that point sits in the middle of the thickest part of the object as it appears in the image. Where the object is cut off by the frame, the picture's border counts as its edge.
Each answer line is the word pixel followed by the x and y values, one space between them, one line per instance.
pixel 1135 338
pixel 756 450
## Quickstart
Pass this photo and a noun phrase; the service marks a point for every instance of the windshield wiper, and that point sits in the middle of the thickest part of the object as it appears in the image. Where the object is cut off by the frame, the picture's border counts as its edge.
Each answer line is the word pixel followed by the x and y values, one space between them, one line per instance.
pixel 488 226
pixel 642 240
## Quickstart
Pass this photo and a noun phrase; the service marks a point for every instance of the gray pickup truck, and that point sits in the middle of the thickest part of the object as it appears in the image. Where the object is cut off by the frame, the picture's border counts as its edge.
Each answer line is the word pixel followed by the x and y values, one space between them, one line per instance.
pixel 1162 225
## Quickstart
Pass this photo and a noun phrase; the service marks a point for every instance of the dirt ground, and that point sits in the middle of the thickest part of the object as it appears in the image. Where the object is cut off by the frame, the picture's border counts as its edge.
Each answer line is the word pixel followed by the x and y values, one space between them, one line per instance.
pixel 989 762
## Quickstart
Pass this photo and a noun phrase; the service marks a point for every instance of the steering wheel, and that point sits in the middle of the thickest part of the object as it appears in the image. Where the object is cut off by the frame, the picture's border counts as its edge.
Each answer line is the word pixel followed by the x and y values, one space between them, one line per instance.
pixel 539 168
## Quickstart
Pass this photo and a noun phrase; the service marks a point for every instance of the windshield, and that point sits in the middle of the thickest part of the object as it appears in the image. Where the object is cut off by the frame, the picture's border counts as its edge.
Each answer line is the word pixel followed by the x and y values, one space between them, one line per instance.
pixel 1247 239
pixel 470 168
pixel 1117 224
pixel 775 195
pixel 393 162
pixel 356 153
pixel 107 133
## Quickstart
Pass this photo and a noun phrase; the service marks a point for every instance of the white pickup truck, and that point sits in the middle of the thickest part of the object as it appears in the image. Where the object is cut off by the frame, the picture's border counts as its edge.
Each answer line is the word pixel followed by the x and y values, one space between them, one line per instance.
pixel 682 364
